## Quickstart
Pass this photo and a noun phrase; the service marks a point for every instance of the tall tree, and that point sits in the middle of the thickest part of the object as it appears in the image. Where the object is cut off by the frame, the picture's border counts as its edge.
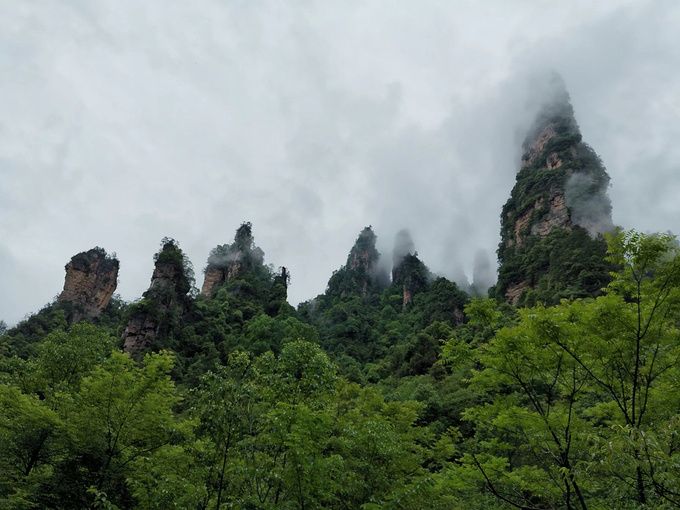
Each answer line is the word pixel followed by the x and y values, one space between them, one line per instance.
pixel 584 399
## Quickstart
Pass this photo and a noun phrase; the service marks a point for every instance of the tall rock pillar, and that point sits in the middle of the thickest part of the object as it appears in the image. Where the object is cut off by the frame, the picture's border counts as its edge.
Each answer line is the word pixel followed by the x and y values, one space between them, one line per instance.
pixel 91 280
pixel 551 227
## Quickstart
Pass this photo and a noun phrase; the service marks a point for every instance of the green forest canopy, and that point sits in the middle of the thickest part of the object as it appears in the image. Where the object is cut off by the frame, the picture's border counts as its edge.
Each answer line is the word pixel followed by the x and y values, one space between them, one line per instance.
pixel 356 402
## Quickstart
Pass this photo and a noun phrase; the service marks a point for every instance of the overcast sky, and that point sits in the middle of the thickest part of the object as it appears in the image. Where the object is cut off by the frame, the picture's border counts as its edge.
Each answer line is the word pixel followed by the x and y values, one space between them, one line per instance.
pixel 124 121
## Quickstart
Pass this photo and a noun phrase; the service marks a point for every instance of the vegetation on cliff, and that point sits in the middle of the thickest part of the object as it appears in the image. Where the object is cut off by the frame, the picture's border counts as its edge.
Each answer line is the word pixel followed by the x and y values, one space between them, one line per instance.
pixel 551 227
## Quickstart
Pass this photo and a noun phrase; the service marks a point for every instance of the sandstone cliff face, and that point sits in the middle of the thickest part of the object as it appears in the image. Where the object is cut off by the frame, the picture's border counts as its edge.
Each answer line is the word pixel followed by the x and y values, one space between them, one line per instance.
pixel 536 147
pixel 515 291
pixel 407 270
pixel 364 255
pixel 91 280
pixel 557 216
pixel 361 275
pixel 165 276
pixel 139 333
pixel 412 275
pixel 407 297
pixel 539 221
pixel 213 279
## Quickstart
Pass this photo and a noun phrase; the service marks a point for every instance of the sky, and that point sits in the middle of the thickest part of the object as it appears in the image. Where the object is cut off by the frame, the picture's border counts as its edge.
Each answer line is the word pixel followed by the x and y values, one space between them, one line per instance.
pixel 122 122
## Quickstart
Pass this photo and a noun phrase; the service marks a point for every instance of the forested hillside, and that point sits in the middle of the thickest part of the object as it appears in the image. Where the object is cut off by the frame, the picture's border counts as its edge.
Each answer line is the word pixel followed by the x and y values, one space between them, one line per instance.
pixel 394 389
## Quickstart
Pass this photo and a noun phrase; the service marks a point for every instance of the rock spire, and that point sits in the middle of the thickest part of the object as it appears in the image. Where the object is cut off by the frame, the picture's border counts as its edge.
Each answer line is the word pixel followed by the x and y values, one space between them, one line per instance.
pixel 552 225
pixel 152 320
pixel 228 261
pixel 91 280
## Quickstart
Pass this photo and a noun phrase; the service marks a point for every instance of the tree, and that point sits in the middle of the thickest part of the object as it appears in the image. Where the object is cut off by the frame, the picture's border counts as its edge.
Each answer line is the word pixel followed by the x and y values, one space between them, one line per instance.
pixel 122 413
pixel 64 358
pixel 583 395
pixel 31 437
pixel 225 405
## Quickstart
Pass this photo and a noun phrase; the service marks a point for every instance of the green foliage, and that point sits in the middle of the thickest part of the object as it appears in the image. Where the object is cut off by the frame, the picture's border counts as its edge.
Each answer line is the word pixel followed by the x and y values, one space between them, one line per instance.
pixel 358 330
pixel 583 399
pixel 171 254
pixel 565 264
pixel 31 435
pixel 77 416
pixel 360 276
pixel 246 311
pixel 242 252
pixel 22 339
pixel 164 305
pixel 65 358
pixel 355 401
pixel 286 432
pixel 85 259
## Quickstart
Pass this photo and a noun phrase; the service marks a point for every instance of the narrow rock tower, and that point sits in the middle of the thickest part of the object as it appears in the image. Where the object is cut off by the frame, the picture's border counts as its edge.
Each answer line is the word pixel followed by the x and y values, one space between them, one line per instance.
pixel 407 269
pixel 551 227
pixel 154 321
pixel 361 274
pixel 91 280
pixel 228 261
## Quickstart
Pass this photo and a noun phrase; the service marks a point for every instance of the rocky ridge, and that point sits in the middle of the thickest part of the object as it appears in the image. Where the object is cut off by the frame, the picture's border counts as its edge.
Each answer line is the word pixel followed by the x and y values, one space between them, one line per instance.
pixel 407 269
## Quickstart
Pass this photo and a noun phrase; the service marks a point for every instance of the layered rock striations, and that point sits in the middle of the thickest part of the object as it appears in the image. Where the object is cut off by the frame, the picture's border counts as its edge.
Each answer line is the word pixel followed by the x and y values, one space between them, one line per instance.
pixel 153 320
pixel 91 280
pixel 552 225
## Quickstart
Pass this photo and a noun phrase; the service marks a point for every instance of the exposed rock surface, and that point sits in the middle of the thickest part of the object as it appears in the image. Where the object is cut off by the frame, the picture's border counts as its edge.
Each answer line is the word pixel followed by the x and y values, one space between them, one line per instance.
pixel 534 148
pixel 522 223
pixel 91 280
pixel 561 185
pixel 139 333
pixel 364 255
pixel 213 279
pixel 412 275
pixel 167 293
pixel 514 292
pixel 407 296
pixel 165 276
pixel 228 261
pixel 540 221
pixel 407 269
pixel 557 216
pixel 362 261
pixel 362 274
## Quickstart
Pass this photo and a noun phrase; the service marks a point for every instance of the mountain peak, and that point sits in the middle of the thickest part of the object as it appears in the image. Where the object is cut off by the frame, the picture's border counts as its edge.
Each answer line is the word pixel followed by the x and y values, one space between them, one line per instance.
pixel 171 282
pixel 364 254
pixel 227 261
pixel 561 187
